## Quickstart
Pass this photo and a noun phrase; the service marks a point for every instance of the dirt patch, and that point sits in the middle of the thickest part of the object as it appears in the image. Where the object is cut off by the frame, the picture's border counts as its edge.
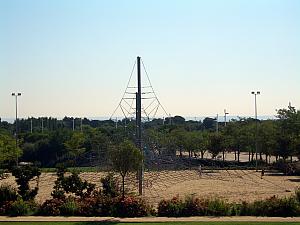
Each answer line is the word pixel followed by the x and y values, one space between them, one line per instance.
pixel 232 185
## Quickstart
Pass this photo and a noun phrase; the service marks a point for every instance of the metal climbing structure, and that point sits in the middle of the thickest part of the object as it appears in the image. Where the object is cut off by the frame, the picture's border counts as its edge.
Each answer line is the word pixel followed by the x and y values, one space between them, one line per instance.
pixel 150 104
pixel 139 101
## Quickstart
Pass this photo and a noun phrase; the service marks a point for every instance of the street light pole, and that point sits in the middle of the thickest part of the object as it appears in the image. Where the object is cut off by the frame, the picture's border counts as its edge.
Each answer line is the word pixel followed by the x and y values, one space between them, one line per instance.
pixel 225 113
pixel 16 135
pixel 217 127
pixel 256 126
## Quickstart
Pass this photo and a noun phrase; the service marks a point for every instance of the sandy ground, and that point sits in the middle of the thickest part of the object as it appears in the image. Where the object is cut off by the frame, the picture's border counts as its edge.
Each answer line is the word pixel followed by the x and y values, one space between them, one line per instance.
pixel 229 156
pixel 232 185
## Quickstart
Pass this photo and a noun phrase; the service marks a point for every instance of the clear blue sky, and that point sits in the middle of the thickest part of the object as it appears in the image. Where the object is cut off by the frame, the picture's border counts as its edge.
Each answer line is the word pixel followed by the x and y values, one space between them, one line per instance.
pixel 74 58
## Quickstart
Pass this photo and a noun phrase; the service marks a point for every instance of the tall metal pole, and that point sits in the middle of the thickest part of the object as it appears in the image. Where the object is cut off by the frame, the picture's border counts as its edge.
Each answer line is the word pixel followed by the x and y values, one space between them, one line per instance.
pixel 73 127
pixel 225 113
pixel 139 122
pixel 42 125
pixel 217 127
pixel 256 127
pixel 31 125
pixel 16 97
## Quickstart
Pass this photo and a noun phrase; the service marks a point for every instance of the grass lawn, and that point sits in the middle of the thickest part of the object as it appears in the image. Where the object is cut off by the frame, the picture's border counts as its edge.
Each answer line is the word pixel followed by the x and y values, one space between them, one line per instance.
pixel 162 223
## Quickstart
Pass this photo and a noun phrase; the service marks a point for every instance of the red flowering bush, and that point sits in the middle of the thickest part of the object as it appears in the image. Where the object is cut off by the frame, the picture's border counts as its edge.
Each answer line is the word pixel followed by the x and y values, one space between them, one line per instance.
pixel 130 207
pixel 87 207
pixel 51 207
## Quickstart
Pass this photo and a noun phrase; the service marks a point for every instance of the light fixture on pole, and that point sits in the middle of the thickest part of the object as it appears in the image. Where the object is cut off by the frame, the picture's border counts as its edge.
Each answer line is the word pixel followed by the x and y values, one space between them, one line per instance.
pixel 256 126
pixel 16 95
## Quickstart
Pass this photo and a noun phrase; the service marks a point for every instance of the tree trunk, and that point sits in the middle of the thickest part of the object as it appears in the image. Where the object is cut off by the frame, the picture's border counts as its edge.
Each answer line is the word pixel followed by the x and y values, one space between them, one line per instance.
pixel 266 158
pixel 249 156
pixel 202 154
pixel 291 158
pixel 223 155
pixel 239 155
pixel 260 155
pixel 234 155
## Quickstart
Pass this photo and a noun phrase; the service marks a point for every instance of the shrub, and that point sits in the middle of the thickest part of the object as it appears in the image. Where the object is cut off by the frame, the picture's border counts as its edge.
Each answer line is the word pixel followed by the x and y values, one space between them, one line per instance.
pixel 23 175
pixel 98 205
pixel 218 207
pixel 110 186
pixel 69 207
pixel 297 194
pixel 282 207
pixel 58 189
pixel 170 208
pixel 7 193
pixel 273 206
pixel 51 207
pixel 5 208
pixel 234 209
pixel 20 208
pixel 87 207
pixel 129 207
pixel 194 207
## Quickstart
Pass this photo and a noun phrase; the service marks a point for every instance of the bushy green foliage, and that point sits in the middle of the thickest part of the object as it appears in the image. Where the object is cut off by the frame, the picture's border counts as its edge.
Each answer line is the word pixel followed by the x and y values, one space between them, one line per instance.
pixel 5 208
pixel 275 207
pixel 194 206
pixel 58 189
pixel 69 207
pixel 297 194
pixel 71 184
pixel 22 208
pixel 282 207
pixel 171 208
pixel 126 158
pixel 218 207
pixel 7 193
pixel 74 184
pixel 8 150
pixel 110 186
pixel 23 175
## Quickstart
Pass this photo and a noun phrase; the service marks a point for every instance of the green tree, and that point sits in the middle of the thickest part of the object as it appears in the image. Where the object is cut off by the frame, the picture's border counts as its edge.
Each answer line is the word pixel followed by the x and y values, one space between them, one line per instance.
pixel 23 175
pixel 267 138
pixel 289 131
pixel 8 150
pixel 178 137
pixel 216 144
pixel 126 158
pixel 75 146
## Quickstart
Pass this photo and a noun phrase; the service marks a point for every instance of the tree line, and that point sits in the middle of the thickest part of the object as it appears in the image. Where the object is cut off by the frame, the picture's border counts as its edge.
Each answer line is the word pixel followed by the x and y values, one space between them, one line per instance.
pixel 84 142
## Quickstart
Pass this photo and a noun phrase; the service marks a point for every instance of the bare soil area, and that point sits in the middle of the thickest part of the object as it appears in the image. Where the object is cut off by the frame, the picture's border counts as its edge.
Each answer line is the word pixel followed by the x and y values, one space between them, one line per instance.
pixel 232 185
